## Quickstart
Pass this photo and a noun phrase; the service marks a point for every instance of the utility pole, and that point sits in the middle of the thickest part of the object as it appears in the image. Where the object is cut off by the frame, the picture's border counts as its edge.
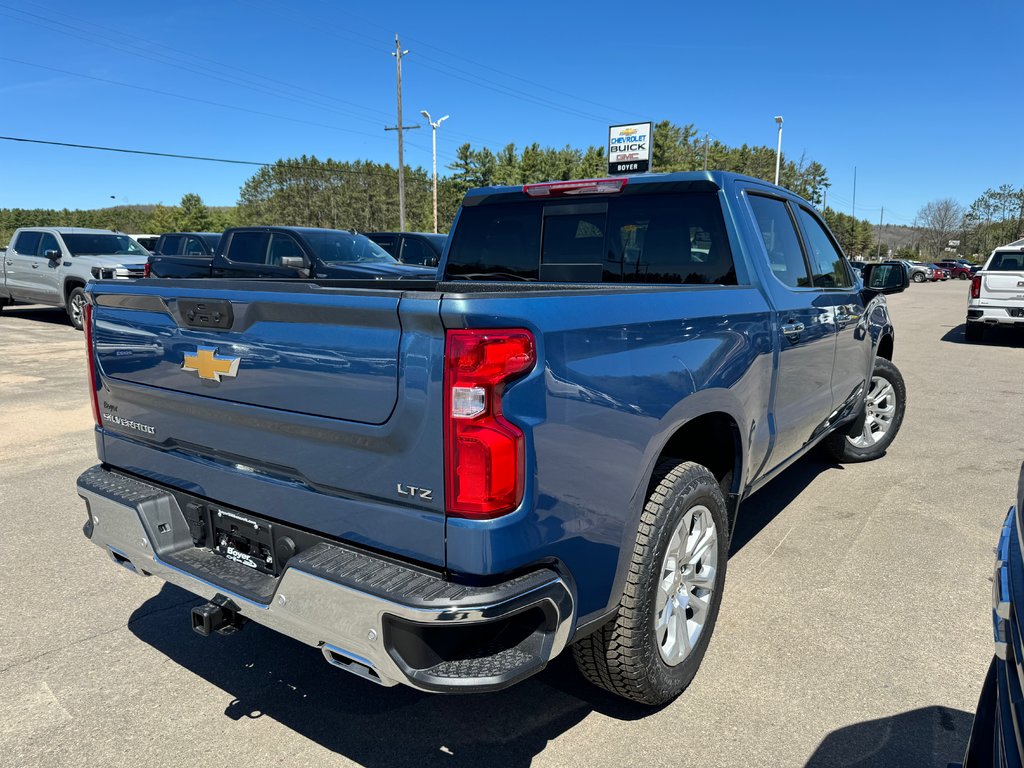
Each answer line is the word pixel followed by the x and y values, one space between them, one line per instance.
pixel 853 208
pixel 878 254
pixel 778 151
pixel 398 53
pixel 433 135
pixel 705 150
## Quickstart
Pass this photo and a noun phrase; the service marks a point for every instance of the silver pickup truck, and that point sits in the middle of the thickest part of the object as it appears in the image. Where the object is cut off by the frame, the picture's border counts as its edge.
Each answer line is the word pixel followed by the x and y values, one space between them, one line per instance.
pixel 997 292
pixel 51 265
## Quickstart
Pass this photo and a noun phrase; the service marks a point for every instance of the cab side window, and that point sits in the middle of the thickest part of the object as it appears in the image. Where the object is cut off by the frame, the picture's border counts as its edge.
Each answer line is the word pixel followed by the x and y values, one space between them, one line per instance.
pixel 284 247
pixel 778 232
pixel 27 243
pixel 48 243
pixel 193 247
pixel 827 262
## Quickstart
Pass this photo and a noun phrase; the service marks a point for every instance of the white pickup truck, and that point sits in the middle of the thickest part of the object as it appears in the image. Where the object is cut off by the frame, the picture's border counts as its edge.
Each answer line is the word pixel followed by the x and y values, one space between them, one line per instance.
pixel 997 292
pixel 51 265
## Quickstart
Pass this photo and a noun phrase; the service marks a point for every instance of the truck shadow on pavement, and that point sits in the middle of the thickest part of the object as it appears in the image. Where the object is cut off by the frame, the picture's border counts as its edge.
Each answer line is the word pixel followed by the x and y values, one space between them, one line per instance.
pixel 51 315
pixel 270 675
pixel 765 505
pixel 931 736
pixel 994 337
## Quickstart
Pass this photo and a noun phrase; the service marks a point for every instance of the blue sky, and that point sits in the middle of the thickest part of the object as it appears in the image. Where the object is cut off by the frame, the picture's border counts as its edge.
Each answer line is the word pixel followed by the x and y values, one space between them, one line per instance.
pixel 924 98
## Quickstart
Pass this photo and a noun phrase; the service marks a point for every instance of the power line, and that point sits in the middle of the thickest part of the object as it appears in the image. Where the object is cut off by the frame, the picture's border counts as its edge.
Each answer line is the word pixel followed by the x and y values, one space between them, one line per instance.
pixel 120 46
pixel 203 158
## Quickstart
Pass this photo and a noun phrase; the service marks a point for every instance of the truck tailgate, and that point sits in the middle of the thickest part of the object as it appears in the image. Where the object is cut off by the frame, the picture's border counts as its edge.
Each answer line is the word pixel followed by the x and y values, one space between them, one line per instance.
pixel 303 404
pixel 1007 288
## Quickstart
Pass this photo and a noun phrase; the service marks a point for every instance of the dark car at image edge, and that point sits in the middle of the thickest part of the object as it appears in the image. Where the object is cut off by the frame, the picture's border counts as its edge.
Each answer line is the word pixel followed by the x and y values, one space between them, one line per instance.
pixel 999 722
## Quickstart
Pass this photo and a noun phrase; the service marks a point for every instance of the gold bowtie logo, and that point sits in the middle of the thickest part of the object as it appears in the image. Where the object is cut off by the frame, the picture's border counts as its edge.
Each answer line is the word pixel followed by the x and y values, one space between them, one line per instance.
pixel 209 365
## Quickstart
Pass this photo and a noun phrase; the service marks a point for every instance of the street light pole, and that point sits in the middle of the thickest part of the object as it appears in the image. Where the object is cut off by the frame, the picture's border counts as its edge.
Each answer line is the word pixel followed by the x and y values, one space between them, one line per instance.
pixel 778 151
pixel 433 135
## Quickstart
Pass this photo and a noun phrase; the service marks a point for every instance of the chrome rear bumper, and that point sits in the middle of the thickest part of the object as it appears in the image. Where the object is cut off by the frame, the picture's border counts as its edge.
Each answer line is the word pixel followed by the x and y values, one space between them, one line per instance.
pixel 371 615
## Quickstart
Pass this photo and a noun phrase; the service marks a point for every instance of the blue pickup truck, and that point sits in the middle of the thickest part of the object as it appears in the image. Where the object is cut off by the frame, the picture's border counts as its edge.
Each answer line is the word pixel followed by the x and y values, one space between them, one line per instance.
pixel 445 483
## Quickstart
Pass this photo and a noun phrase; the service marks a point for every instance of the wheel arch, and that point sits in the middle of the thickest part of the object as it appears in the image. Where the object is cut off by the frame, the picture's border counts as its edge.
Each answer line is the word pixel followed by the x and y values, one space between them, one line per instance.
pixel 70 283
pixel 885 346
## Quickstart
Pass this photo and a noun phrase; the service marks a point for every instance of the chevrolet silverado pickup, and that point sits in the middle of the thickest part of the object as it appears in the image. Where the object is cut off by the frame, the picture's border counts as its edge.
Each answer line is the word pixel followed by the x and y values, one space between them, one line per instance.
pixel 288 252
pixel 997 292
pixel 445 483
pixel 51 265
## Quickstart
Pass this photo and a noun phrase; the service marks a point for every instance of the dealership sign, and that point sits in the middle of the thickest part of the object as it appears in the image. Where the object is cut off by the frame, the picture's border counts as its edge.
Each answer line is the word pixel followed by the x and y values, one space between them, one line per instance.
pixel 629 148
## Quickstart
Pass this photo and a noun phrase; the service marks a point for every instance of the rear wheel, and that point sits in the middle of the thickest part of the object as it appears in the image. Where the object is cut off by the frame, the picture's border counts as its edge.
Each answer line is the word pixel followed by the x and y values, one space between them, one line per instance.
pixel 974 332
pixel 964 275
pixel 884 406
pixel 76 307
pixel 651 649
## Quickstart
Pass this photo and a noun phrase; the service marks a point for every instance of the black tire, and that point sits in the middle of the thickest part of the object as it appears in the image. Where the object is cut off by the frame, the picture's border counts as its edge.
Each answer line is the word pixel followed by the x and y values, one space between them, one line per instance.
pixel 918 277
pixel 839 444
pixel 964 276
pixel 624 656
pixel 974 332
pixel 74 305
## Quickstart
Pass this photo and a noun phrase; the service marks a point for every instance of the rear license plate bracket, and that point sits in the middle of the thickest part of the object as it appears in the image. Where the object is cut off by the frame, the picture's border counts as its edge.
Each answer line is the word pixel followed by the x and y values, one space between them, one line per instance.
pixel 243 539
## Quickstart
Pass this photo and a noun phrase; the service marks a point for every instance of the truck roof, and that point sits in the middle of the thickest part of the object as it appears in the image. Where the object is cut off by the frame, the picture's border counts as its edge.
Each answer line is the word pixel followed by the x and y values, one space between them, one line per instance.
pixel 71 230
pixel 694 179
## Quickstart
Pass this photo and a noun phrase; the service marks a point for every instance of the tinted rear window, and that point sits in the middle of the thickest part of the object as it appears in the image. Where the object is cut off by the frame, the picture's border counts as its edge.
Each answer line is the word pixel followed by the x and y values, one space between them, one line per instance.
pixel 663 238
pixel 1006 262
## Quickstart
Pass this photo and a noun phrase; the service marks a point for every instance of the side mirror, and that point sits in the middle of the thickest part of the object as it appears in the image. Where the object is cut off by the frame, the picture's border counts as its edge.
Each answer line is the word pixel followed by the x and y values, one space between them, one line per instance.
pixel 886 278
pixel 293 262
pixel 432 262
pixel 3 249
pixel 52 255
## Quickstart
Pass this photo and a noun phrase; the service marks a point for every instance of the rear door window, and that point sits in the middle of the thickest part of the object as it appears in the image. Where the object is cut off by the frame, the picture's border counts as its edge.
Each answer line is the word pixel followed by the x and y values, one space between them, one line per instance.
pixel 171 245
pixel 778 232
pixel 27 243
pixel 652 238
pixel 248 247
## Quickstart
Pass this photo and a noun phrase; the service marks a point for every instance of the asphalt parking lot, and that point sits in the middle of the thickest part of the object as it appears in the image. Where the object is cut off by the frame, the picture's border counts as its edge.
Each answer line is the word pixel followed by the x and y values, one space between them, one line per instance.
pixel 855 629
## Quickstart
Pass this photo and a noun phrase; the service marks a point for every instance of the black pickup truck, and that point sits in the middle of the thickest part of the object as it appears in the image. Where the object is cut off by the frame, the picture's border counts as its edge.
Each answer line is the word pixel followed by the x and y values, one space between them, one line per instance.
pixel 289 252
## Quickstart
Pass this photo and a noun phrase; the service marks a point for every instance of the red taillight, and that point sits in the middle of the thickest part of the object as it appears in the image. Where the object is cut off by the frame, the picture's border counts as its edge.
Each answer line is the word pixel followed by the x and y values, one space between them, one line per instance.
pixel 91 352
pixel 145 270
pixel 584 187
pixel 484 453
pixel 976 287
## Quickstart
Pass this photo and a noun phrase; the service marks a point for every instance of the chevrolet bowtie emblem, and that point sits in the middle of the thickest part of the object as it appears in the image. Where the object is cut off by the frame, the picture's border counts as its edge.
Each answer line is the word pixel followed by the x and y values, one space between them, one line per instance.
pixel 209 365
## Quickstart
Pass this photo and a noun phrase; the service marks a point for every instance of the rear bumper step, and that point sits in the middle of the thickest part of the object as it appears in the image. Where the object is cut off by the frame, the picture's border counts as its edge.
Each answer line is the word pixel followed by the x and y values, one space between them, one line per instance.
pixel 375 617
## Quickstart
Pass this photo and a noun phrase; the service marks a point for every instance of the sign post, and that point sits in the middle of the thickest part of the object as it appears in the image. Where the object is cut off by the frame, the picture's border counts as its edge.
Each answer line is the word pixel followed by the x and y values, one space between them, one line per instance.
pixel 629 148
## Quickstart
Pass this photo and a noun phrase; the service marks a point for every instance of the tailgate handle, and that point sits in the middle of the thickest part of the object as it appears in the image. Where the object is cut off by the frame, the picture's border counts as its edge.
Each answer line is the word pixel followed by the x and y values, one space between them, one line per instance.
pixel 206 314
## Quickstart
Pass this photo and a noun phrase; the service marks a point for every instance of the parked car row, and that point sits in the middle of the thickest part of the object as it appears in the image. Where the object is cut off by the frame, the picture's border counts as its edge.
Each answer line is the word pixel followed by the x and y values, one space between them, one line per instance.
pixel 52 265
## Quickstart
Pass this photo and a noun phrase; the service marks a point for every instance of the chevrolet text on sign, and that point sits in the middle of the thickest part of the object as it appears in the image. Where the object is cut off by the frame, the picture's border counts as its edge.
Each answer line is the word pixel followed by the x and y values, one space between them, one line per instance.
pixel 629 148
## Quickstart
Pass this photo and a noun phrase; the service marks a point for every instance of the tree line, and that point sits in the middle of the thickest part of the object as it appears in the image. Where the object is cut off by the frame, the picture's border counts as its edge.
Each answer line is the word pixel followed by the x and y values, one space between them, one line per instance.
pixel 363 195
pixel 190 215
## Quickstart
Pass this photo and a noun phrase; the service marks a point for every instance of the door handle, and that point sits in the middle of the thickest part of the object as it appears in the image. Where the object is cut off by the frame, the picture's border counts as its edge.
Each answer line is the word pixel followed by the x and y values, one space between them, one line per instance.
pixel 792 329
pixel 34 265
